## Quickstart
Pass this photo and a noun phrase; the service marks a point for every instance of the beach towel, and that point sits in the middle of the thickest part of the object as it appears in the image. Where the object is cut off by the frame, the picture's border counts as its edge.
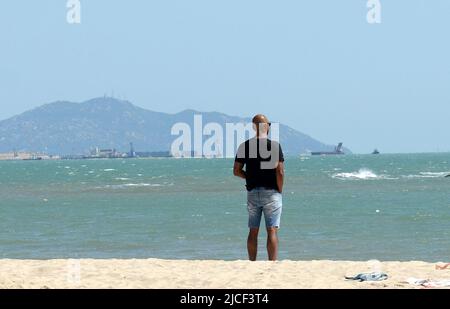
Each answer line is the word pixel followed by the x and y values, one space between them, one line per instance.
pixel 369 277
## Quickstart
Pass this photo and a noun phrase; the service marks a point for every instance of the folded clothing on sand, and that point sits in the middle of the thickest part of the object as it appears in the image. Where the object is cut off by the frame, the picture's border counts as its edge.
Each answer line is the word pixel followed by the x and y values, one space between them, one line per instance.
pixel 369 277
pixel 429 283
pixel 441 266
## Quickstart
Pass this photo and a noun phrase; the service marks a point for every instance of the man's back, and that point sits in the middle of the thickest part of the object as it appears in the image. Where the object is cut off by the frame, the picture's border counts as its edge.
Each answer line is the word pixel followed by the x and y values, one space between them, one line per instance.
pixel 260 157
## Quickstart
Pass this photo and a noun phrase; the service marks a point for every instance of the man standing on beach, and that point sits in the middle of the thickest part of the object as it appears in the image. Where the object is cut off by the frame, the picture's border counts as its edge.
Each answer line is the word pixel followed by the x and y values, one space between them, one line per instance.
pixel 264 176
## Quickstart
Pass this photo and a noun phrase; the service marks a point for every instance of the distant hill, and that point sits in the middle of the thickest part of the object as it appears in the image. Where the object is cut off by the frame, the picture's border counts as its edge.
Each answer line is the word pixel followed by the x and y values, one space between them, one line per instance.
pixel 75 128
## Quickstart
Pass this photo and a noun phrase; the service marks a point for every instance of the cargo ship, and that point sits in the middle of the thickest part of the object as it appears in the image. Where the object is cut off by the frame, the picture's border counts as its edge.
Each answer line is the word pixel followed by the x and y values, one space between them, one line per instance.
pixel 337 151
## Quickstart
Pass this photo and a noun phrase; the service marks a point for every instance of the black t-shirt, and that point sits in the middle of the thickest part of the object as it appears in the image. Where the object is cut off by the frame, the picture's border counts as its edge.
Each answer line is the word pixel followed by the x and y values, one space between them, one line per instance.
pixel 260 157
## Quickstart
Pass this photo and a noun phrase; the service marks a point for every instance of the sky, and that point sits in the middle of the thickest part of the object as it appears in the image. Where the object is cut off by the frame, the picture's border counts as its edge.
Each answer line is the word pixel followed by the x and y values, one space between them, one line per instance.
pixel 317 65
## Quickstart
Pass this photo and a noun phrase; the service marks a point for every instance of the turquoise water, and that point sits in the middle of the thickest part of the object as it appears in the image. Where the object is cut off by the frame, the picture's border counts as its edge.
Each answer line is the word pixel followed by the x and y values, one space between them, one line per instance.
pixel 356 207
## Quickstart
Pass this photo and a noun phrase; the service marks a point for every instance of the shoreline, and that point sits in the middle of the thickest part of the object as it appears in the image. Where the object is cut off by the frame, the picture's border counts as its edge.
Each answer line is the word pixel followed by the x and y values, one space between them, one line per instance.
pixel 209 274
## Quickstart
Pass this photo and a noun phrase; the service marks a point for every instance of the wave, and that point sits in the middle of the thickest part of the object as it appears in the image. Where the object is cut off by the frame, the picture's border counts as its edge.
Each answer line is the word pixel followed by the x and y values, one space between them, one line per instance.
pixel 108 170
pixel 134 185
pixel 366 174
pixel 362 174
pixel 428 175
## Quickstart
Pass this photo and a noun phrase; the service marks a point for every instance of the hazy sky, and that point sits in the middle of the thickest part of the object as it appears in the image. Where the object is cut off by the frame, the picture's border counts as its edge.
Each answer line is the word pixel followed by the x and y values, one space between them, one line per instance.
pixel 315 65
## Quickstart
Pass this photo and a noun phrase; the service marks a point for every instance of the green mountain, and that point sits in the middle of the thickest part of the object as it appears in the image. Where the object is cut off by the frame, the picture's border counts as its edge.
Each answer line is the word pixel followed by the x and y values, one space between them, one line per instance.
pixel 76 128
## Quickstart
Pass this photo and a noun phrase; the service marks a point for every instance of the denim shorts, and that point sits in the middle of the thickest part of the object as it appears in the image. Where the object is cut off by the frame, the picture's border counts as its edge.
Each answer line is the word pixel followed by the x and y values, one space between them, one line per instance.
pixel 267 201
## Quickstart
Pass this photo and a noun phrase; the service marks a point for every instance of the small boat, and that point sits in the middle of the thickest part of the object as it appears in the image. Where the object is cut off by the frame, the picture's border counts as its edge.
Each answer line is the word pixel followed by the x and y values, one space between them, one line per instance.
pixel 375 152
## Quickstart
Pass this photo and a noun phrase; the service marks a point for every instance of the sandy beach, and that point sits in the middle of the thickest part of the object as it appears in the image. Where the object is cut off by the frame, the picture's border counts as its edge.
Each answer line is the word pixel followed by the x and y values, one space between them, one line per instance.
pixel 156 273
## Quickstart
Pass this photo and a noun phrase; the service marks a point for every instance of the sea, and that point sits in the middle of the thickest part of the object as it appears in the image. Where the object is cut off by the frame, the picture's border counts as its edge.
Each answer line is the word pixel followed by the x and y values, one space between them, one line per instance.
pixel 352 207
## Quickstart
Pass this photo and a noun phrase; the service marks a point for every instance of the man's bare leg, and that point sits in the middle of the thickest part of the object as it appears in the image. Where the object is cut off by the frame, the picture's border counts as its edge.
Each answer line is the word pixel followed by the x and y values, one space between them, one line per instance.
pixel 272 243
pixel 252 244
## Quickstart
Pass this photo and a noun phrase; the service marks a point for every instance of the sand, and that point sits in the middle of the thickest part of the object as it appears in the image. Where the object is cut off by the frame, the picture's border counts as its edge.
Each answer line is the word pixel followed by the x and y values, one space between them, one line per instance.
pixel 156 273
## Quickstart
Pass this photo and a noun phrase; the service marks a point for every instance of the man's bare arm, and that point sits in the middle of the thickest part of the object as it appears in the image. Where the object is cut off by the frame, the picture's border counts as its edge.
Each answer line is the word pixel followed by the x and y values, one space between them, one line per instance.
pixel 238 170
pixel 280 176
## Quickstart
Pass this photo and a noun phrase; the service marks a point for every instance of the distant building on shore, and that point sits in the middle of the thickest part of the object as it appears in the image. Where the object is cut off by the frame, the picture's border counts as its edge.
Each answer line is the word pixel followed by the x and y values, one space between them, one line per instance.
pixel 15 155
pixel 95 153
pixel 132 153
pixel 114 154
pixel 106 153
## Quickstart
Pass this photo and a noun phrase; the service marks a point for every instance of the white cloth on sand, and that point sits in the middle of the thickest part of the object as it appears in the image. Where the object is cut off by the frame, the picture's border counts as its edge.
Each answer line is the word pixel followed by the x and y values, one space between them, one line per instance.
pixel 429 283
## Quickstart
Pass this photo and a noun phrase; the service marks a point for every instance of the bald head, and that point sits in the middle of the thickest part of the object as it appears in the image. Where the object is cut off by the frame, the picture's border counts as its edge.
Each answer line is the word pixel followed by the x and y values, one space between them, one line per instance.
pixel 260 118
pixel 261 124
